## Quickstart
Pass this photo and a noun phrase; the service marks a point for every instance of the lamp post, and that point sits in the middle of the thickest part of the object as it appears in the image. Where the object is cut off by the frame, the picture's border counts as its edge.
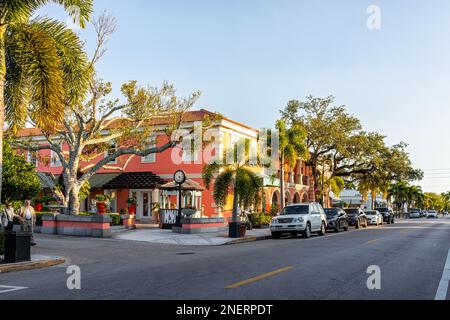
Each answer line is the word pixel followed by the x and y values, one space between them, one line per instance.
pixel 179 177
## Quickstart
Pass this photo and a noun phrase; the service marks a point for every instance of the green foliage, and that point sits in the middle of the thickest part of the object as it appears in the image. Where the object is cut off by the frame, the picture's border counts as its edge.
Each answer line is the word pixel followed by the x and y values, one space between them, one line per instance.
pixel 259 219
pixel 116 220
pixel 102 198
pixel 19 177
pixel 85 191
pixel 274 210
pixel 131 201
pixel 337 138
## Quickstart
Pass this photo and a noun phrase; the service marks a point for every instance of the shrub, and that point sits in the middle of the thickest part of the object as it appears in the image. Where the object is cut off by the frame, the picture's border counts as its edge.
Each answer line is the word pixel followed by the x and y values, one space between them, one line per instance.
pixel 274 210
pixel 131 201
pixel 102 198
pixel 116 220
pixel 259 219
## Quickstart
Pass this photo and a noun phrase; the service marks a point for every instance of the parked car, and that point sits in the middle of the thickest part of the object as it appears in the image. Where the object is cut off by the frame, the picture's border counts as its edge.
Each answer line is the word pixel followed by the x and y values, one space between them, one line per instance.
pixel 337 219
pixel 432 214
pixel 374 217
pixel 423 214
pixel 414 213
pixel 303 219
pixel 388 215
pixel 356 217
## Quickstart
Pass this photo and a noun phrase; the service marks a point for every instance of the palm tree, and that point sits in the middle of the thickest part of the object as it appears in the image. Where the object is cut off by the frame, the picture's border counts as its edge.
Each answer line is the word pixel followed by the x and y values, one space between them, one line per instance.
pixel 235 176
pixel 292 147
pixel 42 65
pixel 398 191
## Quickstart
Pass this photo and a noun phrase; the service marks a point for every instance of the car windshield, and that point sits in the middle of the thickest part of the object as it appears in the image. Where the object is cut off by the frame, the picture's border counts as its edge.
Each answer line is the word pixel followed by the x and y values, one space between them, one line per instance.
pixel 331 212
pixel 352 211
pixel 371 213
pixel 295 210
pixel 381 210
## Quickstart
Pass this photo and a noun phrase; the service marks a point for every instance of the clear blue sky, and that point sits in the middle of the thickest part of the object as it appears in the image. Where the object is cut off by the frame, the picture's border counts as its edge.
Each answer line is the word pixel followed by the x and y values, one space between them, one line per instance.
pixel 249 57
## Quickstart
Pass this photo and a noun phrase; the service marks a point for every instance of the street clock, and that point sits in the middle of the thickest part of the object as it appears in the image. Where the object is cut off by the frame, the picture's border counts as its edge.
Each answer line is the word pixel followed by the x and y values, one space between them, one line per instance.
pixel 179 177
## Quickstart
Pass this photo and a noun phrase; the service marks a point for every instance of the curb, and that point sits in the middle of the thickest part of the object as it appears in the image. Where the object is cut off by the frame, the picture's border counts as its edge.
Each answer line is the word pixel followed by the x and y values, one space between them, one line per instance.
pixel 249 239
pixel 30 265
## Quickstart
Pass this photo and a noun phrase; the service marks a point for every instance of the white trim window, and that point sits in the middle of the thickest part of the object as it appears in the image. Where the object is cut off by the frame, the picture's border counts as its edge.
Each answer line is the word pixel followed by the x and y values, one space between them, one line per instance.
pixel 151 158
pixel 32 158
pixel 55 161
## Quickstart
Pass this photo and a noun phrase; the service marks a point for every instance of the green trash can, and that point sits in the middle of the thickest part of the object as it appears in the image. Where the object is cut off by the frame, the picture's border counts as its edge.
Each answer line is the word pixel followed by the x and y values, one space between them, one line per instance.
pixel 17 246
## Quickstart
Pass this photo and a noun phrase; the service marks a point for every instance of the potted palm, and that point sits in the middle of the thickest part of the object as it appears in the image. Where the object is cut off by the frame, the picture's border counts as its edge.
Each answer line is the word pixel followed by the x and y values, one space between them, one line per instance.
pixel 102 201
pixel 131 202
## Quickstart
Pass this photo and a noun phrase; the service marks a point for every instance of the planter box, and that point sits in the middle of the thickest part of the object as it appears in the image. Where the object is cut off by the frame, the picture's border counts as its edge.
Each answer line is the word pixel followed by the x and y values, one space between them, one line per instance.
pixel 85 226
pixel 200 225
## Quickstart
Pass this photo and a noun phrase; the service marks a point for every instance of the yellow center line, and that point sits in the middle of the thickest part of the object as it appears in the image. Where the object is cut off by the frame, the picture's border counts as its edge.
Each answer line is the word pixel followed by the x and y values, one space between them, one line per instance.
pixel 372 241
pixel 257 278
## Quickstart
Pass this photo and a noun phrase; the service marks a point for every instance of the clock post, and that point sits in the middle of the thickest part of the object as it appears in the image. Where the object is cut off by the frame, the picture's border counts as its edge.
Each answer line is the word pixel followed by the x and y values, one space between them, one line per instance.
pixel 179 177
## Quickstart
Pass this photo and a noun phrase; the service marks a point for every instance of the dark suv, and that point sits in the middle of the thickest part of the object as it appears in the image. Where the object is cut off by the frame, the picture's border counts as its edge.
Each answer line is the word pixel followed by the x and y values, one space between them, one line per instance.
pixel 356 218
pixel 337 219
pixel 388 215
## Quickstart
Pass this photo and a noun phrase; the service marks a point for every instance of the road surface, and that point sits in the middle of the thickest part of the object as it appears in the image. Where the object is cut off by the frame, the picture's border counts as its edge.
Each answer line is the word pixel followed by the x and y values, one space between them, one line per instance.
pixel 411 256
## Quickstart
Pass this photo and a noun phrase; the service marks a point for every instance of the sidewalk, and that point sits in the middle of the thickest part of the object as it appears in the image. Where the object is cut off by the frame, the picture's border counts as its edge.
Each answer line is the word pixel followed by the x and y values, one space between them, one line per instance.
pixel 208 239
pixel 37 262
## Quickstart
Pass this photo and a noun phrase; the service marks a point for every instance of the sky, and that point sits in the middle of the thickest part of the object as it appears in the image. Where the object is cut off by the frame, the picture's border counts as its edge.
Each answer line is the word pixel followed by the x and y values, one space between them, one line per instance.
pixel 250 57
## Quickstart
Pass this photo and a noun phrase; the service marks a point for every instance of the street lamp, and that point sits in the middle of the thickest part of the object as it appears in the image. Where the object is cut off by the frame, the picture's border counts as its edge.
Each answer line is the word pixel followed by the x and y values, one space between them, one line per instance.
pixel 179 177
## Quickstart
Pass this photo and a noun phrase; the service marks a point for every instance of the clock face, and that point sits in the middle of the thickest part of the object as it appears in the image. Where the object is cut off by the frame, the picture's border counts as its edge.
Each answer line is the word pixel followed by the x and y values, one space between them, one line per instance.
pixel 179 177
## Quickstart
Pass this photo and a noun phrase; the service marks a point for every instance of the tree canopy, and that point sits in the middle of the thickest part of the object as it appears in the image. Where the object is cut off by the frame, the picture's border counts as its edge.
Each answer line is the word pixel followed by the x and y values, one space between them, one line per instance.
pixel 337 140
pixel 19 177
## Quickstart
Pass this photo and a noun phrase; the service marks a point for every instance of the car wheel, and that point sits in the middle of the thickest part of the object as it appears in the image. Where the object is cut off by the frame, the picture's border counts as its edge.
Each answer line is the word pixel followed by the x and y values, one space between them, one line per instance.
pixel 307 233
pixel 275 235
pixel 323 229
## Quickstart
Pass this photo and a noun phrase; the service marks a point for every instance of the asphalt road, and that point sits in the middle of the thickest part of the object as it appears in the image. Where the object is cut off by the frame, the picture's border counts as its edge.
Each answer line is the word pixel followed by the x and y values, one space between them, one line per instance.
pixel 411 256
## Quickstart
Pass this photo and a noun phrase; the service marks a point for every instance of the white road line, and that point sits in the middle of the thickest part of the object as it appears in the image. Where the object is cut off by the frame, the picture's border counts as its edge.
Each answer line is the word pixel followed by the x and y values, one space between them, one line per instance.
pixel 5 289
pixel 441 293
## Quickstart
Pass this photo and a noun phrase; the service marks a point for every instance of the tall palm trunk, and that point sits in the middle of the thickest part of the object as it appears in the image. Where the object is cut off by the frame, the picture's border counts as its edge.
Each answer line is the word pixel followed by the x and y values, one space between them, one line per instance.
pixel 282 202
pixel 235 202
pixel 2 99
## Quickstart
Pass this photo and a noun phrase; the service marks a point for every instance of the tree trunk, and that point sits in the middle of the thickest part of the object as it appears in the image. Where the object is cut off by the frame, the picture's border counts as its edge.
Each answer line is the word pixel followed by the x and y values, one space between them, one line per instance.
pixel 373 200
pixel 71 195
pixel 282 202
pixel 2 100
pixel 314 170
pixel 235 202
pixel 74 201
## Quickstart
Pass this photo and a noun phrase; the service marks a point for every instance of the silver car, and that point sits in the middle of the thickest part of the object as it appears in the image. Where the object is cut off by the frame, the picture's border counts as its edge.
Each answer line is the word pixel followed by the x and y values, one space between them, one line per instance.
pixel 303 219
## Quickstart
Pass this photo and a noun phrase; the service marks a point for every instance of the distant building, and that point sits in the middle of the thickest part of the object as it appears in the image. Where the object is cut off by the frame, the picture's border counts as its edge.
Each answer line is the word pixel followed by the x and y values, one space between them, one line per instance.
pixel 353 198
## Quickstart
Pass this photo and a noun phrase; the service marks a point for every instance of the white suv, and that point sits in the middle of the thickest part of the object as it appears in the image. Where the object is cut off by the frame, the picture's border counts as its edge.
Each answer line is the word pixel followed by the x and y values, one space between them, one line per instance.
pixel 303 218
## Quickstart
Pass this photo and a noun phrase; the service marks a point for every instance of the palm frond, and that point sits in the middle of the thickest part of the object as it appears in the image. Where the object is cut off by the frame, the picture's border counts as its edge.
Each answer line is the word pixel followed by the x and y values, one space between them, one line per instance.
pixel 20 11
pixel 36 54
pixel 74 61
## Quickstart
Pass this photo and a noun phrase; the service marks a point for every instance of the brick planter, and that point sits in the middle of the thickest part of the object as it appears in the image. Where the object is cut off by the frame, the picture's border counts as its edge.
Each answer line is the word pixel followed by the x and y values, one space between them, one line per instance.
pixel 82 226
pixel 128 221
pixel 201 225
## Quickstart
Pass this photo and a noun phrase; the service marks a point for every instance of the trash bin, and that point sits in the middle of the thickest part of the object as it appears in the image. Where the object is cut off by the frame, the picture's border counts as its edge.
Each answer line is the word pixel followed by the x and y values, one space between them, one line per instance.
pixel 17 246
